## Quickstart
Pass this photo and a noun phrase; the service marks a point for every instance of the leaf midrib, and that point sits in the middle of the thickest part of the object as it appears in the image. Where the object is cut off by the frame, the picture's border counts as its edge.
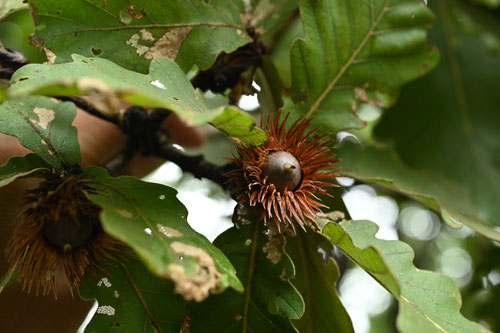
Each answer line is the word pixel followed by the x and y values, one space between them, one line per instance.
pixel 141 299
pixel 148 26
pixel 427 317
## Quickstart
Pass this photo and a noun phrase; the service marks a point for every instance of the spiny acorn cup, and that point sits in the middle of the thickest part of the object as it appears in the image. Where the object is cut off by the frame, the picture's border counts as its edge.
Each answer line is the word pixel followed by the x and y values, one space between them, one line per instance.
pixel 282 177
pixel 60 229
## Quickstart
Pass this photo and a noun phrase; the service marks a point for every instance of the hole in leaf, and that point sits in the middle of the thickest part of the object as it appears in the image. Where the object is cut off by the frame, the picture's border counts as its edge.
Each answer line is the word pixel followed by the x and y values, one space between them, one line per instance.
pixel 96 51
pixel 125 17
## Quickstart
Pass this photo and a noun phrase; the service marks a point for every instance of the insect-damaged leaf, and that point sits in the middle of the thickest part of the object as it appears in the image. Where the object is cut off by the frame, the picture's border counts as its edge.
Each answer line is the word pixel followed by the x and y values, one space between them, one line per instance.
pixel 166 86
pixel 132 33
pixel 152 221
pixel 44 127
pixel 428 301
pixel 356 55
pixel 269 300
pixel 131 299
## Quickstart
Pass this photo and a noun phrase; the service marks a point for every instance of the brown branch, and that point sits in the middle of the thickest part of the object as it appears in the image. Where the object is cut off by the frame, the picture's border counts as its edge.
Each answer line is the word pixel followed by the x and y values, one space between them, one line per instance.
pixel 196 165
pixel 120 161
pixel 143 128
pixel 89 108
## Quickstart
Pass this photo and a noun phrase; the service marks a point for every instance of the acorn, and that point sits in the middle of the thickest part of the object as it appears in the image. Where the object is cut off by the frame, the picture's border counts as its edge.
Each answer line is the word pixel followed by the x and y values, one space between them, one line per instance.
pixel 60 230
pixel 282 177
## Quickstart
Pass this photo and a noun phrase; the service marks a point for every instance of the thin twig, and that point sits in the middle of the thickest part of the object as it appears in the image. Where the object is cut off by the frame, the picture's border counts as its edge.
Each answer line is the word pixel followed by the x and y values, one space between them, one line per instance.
pixel 120 161
pixel 196 165
pixel 89 108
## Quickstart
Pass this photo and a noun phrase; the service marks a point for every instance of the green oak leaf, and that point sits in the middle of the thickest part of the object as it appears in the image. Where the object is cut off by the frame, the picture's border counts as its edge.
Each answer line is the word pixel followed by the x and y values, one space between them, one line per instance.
pixel 315 279
pixel 132 33
pixel 441 139
pixel 269 300
pixel 356 55
pixel 152 221
pixel 44 127
pixel 165 86
pixel 131 299
pixel 240 127
pixel 384 166
pixel 428 301
pixel 30 165
pixel 9 6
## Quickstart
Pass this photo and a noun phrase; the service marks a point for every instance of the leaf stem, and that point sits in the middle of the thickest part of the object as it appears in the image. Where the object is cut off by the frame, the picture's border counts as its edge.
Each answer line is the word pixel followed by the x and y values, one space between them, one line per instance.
pixel 196 165
pixel 89 108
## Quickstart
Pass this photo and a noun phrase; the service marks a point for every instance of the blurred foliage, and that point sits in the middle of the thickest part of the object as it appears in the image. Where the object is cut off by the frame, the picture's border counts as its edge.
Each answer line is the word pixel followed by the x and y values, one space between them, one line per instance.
pixel 15 30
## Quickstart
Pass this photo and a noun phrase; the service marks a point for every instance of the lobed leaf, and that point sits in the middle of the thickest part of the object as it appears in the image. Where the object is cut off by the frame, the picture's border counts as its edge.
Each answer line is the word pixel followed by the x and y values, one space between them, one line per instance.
pixel 165 86
pixel 316 277
pixel 131 299
pixel 16 167
pixel 269 300
pixel 447 155
pixel 132 33
pixel 44 127
pixel 356 55
pixel 428 301
pixel 152 221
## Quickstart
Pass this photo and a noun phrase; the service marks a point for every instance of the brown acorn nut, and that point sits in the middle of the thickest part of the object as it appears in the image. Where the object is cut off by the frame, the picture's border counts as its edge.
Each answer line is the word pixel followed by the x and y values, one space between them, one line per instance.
pixel 282 177
pixel 283 170
pixel 60 229
pixel 67 233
